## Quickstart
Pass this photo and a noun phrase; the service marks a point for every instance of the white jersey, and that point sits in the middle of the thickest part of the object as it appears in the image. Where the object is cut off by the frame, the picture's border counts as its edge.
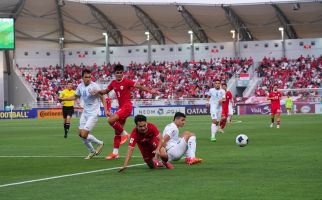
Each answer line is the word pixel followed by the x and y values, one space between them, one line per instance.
pixel 91 102
pixel 173 132
pixel 215 96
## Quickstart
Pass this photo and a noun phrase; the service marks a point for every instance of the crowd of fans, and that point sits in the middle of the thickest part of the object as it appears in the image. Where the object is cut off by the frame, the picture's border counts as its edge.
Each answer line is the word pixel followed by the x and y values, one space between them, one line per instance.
pixel 303 72
pixel 171 79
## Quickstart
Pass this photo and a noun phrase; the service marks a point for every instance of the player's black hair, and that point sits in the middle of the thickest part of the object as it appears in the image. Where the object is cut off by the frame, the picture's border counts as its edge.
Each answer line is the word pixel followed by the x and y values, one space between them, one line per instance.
pixel 86 71
pixel 179 115
pixel 217 80
pixel 139 118
pixel 70 81
pixel 118 67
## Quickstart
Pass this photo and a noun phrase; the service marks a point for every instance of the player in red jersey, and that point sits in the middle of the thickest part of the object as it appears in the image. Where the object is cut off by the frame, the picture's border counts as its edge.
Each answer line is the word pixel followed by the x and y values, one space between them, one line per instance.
pixel 275 97
pixel 225 107
pixel 148 138
pixel 122 88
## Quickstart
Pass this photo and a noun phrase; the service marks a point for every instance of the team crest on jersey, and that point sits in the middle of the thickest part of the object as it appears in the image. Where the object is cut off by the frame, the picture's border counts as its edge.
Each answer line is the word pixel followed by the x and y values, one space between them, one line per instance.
pixel 121 87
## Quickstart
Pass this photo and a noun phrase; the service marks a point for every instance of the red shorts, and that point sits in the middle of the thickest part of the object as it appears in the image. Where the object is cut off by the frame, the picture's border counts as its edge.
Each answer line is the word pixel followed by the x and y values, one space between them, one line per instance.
pixel 124 112
pixel 224 113
pixel 146 151
pixel 275 111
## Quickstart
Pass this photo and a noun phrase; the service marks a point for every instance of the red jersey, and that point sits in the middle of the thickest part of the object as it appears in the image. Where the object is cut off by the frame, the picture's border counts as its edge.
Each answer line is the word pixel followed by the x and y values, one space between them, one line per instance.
pixel 228 98
pixel 122 90
pixel 147 139
pixel 276 98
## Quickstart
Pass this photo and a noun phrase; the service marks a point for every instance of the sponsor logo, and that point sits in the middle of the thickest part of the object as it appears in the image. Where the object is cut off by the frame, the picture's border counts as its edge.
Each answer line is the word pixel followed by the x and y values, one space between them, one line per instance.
pixel 163 111
pixel 197 111
pixel 260 110
pixel 14 115
pixel 305 109
pixel 50 114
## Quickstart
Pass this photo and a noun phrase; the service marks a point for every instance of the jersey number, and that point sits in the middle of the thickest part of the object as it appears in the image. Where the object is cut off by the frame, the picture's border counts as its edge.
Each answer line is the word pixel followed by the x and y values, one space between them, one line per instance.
pixel 118 94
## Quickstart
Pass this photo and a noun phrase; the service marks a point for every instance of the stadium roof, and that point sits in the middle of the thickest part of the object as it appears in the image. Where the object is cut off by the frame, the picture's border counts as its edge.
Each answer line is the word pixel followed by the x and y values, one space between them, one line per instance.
pixel 82 23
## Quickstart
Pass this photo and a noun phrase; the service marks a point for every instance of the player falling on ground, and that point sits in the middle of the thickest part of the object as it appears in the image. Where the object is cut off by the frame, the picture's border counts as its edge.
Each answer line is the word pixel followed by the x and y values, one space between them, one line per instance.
pixel 214 100
pixel 289 104
pixel 122 88
pixel 68 106
pixel 175 146
pixel 90 113
pixel 147 136
pixel 275 97
pixel 225 107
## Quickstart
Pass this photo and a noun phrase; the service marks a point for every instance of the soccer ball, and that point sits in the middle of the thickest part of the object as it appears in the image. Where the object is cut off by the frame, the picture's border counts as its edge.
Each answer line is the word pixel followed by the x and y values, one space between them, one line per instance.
pixel 242 140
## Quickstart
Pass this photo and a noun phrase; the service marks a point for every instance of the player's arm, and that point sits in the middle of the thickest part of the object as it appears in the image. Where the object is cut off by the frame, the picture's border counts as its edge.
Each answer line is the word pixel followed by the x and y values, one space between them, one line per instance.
pixel 100 92
pixel 208 101
pixel 71 98
pixel 127 158
pixel 143 88
pixel 157 150
pixel 107 112
pixel 165 140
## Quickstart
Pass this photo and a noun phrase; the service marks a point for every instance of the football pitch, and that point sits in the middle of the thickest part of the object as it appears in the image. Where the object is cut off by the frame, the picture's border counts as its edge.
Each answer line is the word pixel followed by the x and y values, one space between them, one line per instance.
pixel 36 162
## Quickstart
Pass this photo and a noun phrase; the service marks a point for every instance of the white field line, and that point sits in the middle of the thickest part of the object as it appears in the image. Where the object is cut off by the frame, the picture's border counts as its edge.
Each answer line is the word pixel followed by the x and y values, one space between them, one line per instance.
pixel 66 175
pixel 59 156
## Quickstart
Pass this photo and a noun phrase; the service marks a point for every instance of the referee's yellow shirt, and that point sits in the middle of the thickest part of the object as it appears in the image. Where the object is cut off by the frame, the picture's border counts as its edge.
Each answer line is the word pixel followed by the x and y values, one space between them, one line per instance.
pixel 67 93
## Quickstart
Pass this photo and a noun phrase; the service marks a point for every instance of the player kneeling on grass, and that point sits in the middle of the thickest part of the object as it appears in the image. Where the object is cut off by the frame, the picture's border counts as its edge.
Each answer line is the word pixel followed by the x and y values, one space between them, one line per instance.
pixel 176 147
pixel 148 138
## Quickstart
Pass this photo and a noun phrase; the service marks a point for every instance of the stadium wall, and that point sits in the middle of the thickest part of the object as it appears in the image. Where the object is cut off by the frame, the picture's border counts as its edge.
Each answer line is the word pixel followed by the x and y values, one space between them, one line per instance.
pixel 125 55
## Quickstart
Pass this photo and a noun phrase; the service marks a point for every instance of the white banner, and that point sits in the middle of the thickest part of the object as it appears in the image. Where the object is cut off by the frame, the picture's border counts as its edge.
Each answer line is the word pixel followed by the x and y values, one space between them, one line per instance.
pixel 318 108
pixel 158 111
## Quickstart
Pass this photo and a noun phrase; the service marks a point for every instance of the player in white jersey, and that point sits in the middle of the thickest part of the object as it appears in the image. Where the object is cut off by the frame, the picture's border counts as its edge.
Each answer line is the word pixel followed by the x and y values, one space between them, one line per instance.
pixel 214 100
pixel 175 146
pixel 91 111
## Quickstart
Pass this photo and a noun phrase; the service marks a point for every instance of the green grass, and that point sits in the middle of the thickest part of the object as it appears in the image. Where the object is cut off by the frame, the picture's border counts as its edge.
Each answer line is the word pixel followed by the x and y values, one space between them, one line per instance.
pixel 281 163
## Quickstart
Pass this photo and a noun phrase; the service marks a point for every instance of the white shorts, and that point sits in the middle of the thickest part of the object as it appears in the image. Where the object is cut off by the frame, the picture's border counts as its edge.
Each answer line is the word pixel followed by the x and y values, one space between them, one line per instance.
pixel 215 112
pixel 87 122
pixel 230 109
pixel 176 150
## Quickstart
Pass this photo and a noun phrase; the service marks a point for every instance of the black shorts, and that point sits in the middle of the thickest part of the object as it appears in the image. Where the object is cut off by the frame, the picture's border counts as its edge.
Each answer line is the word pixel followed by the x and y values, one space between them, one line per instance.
pixel 68 111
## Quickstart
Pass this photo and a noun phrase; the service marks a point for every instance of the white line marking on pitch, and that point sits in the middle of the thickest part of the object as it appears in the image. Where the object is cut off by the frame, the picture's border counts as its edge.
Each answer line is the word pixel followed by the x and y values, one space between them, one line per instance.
pixel 59 156
pixel 67 175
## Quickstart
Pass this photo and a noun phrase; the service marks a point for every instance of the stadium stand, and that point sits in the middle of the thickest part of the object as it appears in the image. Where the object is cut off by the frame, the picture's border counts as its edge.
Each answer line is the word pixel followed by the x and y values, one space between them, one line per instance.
pixel 303 72
pixel 172 79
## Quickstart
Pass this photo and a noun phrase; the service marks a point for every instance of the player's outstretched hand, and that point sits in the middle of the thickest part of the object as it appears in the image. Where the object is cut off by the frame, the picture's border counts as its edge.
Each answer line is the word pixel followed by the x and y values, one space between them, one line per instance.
pixel 122 169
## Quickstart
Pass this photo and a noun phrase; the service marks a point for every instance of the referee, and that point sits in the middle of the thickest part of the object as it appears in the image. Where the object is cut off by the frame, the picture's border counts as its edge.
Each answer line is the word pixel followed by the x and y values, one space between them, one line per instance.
pixel 68 106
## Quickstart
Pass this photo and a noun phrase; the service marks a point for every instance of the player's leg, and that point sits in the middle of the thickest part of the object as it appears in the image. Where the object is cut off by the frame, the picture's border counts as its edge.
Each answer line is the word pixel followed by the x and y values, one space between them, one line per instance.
pixel 273 112
pixel 91 122
pixel 223 121
pixel 87 123
pixel 65 121
pixel 190 140
pixel 230 113
pixel 68 119
pixel 278 118
pixel 214 123
pixel 117 121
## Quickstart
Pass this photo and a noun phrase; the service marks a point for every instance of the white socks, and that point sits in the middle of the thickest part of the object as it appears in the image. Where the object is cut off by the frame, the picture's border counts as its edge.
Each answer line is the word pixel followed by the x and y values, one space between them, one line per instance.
pixel 191 152
pixel 115 151
pixel 92 138
pixel 213 130
pixel 124 133
pixel 88 145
